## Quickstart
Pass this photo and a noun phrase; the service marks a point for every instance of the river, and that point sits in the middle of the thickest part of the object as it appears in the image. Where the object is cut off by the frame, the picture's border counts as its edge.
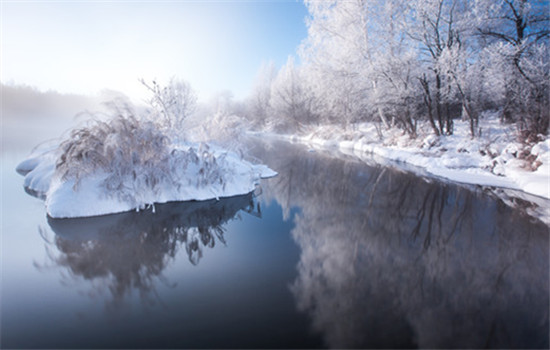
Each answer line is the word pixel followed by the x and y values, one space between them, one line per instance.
pixel 334 252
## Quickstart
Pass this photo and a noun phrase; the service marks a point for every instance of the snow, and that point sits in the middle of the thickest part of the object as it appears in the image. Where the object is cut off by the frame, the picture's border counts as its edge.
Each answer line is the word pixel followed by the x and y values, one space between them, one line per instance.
pixel 493 159
pixel 67 198
pixel 38 169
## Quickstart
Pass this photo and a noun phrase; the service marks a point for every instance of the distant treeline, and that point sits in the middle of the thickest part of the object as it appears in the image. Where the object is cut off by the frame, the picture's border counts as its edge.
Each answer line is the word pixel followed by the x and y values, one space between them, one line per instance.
pixel 26 101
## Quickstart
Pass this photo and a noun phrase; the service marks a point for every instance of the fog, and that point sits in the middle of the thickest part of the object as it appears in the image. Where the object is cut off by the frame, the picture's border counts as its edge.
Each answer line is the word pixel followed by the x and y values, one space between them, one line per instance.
pixel 30 116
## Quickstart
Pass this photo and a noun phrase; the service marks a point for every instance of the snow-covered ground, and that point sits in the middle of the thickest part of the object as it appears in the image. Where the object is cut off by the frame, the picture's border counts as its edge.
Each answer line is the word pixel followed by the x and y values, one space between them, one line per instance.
pixel 493 159
pixel 197 172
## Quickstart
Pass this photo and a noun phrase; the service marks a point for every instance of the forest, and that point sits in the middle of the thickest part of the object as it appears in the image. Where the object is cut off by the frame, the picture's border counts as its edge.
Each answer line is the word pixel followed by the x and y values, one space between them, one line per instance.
pixel 401 64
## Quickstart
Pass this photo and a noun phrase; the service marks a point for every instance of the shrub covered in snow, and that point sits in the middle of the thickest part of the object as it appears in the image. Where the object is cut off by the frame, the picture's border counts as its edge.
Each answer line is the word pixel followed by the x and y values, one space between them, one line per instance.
pixel 135 155
pixel 123 147
pixel 128 162
pixel 171 105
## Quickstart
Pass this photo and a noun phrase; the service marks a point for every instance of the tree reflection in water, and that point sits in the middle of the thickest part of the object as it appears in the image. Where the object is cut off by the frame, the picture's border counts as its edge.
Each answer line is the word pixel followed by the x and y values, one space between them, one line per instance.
pixel 391 260
pixel 126 252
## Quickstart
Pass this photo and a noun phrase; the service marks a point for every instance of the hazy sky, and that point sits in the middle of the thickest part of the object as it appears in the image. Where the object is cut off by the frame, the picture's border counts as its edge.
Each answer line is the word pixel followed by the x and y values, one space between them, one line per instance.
pixel 85 46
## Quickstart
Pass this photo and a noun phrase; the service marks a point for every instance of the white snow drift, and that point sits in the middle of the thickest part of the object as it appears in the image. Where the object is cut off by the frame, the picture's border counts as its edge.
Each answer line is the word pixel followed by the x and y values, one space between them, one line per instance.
pixel 124 164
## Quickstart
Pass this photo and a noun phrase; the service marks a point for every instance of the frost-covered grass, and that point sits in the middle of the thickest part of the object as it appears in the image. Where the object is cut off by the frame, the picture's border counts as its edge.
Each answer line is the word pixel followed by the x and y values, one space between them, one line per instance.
pixel 127 163
pixel 122 147
pixel 495 158
pixel 134 155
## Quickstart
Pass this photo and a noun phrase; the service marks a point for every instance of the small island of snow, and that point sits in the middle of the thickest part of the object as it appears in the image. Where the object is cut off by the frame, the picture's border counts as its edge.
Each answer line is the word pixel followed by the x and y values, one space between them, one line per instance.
pixel 128 164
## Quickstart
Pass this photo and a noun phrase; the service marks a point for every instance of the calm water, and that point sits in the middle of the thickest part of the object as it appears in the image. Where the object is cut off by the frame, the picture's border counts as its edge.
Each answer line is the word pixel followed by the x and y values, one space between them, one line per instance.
pixel 332 253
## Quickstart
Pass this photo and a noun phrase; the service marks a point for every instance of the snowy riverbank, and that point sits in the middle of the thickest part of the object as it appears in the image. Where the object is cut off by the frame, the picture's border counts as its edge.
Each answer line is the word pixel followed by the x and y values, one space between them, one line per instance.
pixel 493 159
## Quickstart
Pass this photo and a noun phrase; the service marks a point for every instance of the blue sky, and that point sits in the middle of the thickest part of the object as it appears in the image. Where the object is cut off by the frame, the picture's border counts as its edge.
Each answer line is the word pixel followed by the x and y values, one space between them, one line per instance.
pixel 85 46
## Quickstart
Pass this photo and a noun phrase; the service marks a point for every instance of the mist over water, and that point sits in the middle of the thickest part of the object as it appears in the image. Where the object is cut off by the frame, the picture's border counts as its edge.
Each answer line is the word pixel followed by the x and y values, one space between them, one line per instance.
pixel 30 116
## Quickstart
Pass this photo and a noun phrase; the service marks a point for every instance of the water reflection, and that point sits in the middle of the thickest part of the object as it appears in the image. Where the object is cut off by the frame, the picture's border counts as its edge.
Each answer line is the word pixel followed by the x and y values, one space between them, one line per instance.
pixel 128 251
pixel 391 260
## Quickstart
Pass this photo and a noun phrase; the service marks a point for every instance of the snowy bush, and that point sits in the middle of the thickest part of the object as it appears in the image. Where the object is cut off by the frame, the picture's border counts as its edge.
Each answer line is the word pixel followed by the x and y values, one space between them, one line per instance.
pixel 136 157
pixel 122 147
pixel 127 163
pixel 171 105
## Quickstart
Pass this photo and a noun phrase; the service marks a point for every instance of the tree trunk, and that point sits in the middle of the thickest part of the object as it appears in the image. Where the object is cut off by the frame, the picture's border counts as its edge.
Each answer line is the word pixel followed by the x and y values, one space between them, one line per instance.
pixel 438 103
pixel 383 118
pixel 428 103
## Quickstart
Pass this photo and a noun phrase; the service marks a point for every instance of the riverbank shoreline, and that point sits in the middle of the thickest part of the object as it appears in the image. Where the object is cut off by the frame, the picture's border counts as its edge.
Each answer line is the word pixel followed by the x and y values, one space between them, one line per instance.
pixel 494 158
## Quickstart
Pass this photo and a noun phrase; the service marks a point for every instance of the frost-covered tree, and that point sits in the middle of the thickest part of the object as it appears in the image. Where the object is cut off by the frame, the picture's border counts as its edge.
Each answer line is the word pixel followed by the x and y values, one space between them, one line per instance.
pixel 372 60
pixel 436 26
pixel 171 104
pixel 465 74
pixel 520 23
pixel 221 119
pixel 222 103
pixel 259 102
pixel 398 62
pixel 516 33
pixel 395 96
pixel 337 51
pixel 290 100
